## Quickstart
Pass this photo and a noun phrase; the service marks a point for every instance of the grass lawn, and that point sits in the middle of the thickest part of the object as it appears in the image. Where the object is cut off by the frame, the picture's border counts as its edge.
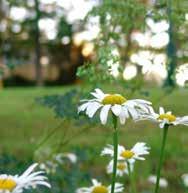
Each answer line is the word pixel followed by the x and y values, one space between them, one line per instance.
pixel 24 124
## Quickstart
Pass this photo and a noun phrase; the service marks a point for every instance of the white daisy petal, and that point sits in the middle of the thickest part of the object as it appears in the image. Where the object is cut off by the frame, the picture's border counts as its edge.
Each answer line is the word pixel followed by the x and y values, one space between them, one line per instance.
pixel 104 114
pixel 116 109
pixel 133 113
pixel 161 110
pixel 123 116
pixel 92 109
pixel 95 182
pixel 162 124
pixel 143 101
pixel 108 150
pixel 98 94
pixel 29 170
pixel 140 148
pixel 83 190
pixel 83 107
pixel 118 188
pixel 182 120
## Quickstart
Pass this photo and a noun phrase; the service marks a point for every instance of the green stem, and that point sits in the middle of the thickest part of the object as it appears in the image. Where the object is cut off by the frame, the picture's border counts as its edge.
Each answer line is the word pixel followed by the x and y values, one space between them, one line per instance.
pixel 115 138
pixel 165 131
pixel 131 177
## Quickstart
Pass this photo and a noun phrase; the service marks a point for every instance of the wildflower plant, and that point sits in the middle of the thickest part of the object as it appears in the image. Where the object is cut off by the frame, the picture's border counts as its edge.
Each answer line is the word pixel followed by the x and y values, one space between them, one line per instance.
pixel 165 121
pixel 121 108
pixel 126 158
pixel 28 180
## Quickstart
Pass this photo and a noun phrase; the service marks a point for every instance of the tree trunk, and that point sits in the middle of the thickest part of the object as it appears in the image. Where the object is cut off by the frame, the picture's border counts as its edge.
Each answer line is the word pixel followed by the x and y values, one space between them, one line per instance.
pixel 171 52
pixel 39 78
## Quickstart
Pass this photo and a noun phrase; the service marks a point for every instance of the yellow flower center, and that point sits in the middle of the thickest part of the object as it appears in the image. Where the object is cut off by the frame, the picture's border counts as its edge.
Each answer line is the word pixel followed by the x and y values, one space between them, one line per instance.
pixel 121 166
pixel 113 99
pixel 169 117
pixel 100 189
pixel 7 184
pixel 127 154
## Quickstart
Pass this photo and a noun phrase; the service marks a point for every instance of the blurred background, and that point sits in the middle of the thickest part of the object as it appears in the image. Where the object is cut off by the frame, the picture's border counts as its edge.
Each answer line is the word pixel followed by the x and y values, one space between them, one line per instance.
pixel 43 42
pixel 54 52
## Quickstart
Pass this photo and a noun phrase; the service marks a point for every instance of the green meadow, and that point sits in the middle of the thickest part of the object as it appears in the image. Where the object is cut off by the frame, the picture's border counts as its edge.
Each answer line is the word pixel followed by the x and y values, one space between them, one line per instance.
pixel 26 126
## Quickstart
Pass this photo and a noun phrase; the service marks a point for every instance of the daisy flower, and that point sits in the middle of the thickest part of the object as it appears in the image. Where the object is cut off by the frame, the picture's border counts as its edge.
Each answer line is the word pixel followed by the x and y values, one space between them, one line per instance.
pixel 98 187
pixel 185 179
pixel 136 153
pixel 70 156
pixel 29 179
pixel 163 183
pixel 116 103
pixel 165 118
pixel 122 168
pixel 50 167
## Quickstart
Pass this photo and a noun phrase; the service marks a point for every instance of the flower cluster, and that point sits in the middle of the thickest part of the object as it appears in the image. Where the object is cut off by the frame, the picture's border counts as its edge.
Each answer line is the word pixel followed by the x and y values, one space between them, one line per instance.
pixel 137 109
pixel 126 159
pixel 123 109
pixel 123 159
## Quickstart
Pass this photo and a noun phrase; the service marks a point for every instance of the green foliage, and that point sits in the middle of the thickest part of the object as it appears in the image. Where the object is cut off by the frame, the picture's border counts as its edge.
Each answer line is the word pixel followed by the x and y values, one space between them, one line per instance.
pixel 118 21
pixel 99 70
pixel 114 36
pixel 64 29
pixel 13 165
pixel 65 106
pixel 179 8
pixel 113 14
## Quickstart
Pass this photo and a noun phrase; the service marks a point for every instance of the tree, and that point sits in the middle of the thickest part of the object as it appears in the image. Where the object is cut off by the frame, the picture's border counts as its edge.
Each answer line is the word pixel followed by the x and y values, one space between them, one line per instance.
pixel 39 78
pixel 119 22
